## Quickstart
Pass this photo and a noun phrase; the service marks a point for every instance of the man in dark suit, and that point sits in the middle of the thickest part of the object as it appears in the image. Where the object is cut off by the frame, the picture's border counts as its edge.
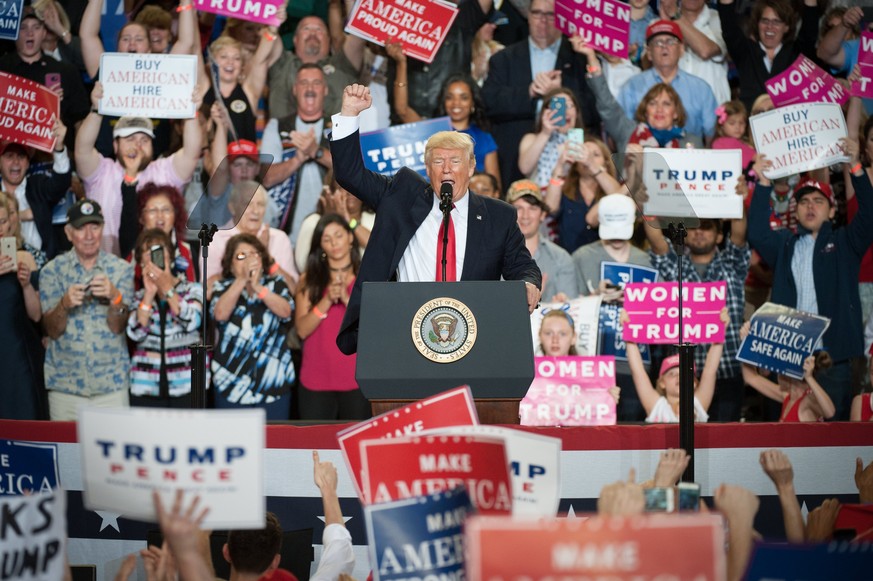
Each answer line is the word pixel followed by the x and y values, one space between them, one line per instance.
pixel 403 242
pixel 520 74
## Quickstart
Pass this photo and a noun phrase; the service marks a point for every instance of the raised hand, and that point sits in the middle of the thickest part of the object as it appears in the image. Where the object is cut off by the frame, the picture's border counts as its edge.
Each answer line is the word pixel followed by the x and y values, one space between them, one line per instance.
pixel 672 464
pixel 356 98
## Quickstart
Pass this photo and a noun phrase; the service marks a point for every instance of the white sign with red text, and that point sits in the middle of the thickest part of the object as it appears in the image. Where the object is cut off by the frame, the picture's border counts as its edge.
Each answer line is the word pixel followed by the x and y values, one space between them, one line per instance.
pixel 650 546
pixel 570 391
pixel 216 454
pixel 159 86
pixel 454 407
pixel 414 466
pixel 420 25
pixel 534 466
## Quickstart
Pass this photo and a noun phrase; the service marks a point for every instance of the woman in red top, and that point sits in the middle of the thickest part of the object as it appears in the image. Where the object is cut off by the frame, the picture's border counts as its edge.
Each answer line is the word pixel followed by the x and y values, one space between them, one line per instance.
pixel 862 404
pixel 328 390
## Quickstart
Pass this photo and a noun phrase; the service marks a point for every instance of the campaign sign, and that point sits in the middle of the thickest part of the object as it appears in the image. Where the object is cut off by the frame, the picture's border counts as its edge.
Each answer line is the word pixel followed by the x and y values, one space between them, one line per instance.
pixel 805 82
pixel 216 454
pixel 799 138
pixel 570 391
pixel 28 467
pixel 822 562
pixel 261 11
pixel 387 150
pixel 412 466
pixel 454 407
pixel 10 19
pixel 28 112
pixel 150 85
pixel 583 310
pixel 651 546
pixel 421 25
pixel 418 538
pixel 34 536
pixel 534 466
pixel 609 340
pixel 863 87
pixel 781 338
pixel 653 310
pixel 706 178
pixel 603 24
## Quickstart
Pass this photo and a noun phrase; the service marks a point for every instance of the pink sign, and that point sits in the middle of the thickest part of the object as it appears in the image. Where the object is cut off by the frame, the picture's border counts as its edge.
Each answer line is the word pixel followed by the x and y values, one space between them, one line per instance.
pixel 261 11
pixel 653 310
pixel 28 112
pixel 407 467
pixel 864 86
pixel 603 24
pixel 454 407
pixel 570 391
pixel 649 546
pixel 421 25
pixel 805 82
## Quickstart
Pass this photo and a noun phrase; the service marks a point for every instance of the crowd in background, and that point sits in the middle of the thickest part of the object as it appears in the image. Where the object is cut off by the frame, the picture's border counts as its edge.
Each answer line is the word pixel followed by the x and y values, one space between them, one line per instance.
pixel 104 299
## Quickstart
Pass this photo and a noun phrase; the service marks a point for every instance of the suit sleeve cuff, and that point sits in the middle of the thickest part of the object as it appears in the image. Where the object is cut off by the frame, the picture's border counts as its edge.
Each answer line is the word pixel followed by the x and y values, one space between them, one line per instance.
pixel 343 126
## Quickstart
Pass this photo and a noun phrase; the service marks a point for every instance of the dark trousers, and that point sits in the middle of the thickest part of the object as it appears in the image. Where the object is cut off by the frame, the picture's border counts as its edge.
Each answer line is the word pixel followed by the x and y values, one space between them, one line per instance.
pixel 727 401
pixel 333 405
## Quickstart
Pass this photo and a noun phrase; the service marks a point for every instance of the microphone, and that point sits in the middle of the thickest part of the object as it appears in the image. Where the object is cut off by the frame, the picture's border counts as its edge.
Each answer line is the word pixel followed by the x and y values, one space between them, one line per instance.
pixel 446 196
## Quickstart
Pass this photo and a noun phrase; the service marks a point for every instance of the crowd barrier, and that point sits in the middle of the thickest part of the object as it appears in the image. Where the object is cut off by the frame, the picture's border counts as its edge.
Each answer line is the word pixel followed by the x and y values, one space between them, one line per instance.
pixel 823 456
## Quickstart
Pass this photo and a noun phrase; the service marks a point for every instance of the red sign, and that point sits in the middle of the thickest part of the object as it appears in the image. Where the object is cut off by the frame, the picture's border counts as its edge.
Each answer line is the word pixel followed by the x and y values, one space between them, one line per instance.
pixel 450 408
pixel 408 467
pixel 669 546
pixel 421 25
pixel 28 112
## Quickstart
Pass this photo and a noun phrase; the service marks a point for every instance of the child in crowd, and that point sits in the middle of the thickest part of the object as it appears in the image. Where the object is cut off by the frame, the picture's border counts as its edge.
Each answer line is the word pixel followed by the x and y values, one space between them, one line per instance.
pixel 732 131
pixel 661 401
pixel 803 400
pixel 862 404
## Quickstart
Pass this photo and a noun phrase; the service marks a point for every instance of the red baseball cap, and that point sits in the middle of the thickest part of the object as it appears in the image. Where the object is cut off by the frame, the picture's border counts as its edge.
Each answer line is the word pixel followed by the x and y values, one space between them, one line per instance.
pixel 663 27
pixel 243 148
pixel 809 186
pixel 669 363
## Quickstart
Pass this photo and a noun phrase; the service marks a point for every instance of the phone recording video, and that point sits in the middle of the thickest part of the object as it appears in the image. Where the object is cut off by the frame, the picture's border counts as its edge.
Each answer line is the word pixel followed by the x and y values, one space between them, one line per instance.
pixel 156 253
pixel 558 104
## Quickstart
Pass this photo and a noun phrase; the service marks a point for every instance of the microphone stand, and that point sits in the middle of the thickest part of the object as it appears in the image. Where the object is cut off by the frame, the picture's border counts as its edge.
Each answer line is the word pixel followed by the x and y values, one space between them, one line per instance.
pixel 199 351
pixel 446 209
pixel 677 234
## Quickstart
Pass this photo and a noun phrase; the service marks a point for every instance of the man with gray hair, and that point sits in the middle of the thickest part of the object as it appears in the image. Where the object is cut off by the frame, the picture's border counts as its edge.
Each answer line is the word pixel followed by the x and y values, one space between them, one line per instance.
pixel 485 242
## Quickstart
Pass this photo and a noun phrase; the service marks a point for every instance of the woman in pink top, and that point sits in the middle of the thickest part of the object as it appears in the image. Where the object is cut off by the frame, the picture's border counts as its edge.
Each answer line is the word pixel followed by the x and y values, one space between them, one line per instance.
pixel 328 390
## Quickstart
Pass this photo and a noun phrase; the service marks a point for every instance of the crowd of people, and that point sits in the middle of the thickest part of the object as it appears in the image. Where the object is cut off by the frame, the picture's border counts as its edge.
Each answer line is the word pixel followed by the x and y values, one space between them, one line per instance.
pixel 102 299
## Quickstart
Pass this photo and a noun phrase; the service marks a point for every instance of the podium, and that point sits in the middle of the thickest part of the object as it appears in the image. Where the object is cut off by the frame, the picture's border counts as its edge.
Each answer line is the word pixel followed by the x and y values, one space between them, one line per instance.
pixel 417 339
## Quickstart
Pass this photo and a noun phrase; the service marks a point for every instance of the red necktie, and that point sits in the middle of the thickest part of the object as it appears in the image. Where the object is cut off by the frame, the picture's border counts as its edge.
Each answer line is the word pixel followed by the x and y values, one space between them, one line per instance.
pixel 450 252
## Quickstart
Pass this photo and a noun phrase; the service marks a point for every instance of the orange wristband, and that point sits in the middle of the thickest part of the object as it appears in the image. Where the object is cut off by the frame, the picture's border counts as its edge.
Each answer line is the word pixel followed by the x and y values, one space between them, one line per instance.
pixel 184 8
pixel 273 269
pixel 317 312
pixel 117 300
pixel 263 293
pixel 856 168
pixel 269 37
pixel 145 307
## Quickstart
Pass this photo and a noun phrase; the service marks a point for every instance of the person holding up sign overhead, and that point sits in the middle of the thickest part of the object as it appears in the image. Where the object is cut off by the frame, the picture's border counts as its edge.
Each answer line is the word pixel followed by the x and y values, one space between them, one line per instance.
pixel 405 239
pixel 816 269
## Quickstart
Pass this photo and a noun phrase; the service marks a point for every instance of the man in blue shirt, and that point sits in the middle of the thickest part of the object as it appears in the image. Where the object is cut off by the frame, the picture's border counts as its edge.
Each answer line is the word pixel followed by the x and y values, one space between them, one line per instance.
pixel 664 47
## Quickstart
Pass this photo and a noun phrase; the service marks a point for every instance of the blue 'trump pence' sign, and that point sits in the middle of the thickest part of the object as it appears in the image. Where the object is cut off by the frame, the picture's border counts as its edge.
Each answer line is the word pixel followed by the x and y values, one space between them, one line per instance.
pixel 780 338
pixel 387 150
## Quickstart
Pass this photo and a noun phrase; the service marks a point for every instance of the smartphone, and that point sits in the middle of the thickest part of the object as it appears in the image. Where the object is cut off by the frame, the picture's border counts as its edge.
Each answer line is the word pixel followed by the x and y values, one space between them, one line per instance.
pixel 659 499
pixel 689 496
pixel 53 80
pixel 156 253
pixel 576 136
pixel 8 248
pixel 558 104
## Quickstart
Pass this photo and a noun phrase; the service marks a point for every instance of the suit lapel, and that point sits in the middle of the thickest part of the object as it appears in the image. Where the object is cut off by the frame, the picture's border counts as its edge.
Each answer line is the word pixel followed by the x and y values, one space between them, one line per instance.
pixel 477 217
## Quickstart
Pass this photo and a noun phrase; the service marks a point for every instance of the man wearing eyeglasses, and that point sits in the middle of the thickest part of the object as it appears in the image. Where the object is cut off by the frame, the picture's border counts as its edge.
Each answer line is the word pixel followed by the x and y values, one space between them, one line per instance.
pixel 299 147
pixel 520 74
pixel 664 47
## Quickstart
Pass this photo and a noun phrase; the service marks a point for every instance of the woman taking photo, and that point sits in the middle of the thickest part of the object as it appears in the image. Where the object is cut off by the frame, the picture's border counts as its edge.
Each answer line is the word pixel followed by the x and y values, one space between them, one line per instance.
pixel 252 308
pixel 328 390
pixel 164 325
pixel 540 151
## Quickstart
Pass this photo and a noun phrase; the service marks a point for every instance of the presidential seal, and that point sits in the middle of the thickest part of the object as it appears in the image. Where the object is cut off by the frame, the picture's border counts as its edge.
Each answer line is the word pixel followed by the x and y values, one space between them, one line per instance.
pixel 444 330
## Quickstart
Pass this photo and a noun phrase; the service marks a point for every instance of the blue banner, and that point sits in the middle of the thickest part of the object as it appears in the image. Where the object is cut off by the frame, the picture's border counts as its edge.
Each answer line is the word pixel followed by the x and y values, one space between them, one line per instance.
pixel 418 537
pixel 610 341
pixel 835 560
pixel 27 467
pixel 112 20
pixel 780 338
pixel 387 150
pixel 10 19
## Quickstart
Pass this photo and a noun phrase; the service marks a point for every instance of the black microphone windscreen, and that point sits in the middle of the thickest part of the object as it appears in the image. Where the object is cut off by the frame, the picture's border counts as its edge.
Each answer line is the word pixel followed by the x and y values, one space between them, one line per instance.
pixel 445 189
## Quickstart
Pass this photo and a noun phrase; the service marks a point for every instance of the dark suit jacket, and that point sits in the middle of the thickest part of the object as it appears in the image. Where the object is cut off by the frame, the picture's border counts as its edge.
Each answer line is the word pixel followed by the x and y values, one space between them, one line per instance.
pixel 495 245
pixel 511 110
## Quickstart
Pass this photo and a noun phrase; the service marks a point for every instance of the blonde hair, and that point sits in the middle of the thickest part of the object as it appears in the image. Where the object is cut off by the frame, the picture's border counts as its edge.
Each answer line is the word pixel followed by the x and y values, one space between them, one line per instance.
pixel 449 140
pixel 9 203
pixel 39 7
pixel 222 42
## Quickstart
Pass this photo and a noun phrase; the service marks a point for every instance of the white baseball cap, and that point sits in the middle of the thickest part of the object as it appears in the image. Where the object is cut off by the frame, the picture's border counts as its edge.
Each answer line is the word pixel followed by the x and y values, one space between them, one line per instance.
pixel 617 217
